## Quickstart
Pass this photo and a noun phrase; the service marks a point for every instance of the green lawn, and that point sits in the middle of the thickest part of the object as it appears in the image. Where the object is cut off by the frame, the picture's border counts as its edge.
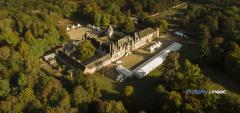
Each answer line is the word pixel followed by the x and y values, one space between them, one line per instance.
pixel 107 84
pixel 145 93
pixel 108 88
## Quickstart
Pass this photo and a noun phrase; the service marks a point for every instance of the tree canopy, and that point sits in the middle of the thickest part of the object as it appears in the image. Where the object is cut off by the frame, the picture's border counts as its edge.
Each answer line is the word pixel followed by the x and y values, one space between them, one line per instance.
pixel 86 50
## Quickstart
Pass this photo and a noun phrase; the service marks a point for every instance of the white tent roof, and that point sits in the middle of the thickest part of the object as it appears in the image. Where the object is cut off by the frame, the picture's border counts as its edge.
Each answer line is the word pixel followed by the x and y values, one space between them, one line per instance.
pixel 73 27
pixel 52 55
pixel 150 66
pixel 68 28
pixel 79 25
pixel 155 61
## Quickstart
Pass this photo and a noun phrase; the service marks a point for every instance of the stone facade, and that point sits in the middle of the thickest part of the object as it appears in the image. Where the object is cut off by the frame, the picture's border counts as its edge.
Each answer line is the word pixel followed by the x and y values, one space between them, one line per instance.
pixel 145 36
pixel 119 48
pixel 127 44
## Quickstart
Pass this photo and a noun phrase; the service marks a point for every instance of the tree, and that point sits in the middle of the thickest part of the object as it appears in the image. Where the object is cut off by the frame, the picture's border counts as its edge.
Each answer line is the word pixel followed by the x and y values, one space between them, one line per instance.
pixel 228 104
pixel 16 104
pixel 216 43
pixel 193 104
pixel 186 21
pixel 232 61
pixel 48 86
pixel 85 93
pixel 160 89
pixel 105 20
pixel 137 8
pixel 78 77
pixel 54 110
pixel 92 87
pixel 97 19
pixel 22 80
pixel 128 91
pixel 128 26
pixel 163 26
pixel 50 91
pixel 141 112
pixel 212 23
pixel 205 36
pixel 173 101
pixel 114 20
pixel 64 100
pixel 171 76
pixel 171 64
pixel 24 48
pixel 111 107
pixel 86 50
pixel 129 13
pixel 7 35
pixel 81 99
pixel 227 27
pixel 34 106
pixel 193 77
pixel 191 70
pixel 5 52
pixel 217 53
pixel 4 88
pixel 64 37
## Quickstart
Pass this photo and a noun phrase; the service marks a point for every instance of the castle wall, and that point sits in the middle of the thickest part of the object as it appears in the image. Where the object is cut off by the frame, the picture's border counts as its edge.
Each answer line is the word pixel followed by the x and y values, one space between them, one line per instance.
pixel 97 64
pixel 90 70
pixel 143 41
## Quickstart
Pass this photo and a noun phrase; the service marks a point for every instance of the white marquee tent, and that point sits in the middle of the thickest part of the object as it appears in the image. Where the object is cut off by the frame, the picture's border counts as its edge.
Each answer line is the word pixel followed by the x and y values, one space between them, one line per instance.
pixel 155 46
pixel 73 27
pixel 155 61
pixel 68 29
pixel 79 25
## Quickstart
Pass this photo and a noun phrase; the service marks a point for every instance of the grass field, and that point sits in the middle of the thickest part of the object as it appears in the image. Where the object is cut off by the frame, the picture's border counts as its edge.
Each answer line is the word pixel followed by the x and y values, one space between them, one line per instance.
pixel 145 93
pixel 108 87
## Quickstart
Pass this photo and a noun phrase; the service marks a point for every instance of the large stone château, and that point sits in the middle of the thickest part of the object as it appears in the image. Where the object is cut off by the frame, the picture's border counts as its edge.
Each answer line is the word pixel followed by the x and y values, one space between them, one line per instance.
pixel 111 46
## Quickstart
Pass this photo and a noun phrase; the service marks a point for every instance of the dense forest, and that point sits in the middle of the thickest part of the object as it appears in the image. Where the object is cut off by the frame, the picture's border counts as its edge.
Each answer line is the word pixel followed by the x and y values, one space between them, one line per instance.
pixel 28 29
pixel 222 3
pixel 177 78
pixel 120 12
pixel 218 29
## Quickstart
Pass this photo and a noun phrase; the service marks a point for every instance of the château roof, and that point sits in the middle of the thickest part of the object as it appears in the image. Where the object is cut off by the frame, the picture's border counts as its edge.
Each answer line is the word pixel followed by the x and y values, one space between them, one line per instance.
pixel 146 32
pixel 98 61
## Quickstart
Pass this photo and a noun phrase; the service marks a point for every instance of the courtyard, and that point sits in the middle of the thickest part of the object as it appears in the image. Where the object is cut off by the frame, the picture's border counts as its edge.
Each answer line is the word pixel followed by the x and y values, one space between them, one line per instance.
pixel 78 33
pixel 142 54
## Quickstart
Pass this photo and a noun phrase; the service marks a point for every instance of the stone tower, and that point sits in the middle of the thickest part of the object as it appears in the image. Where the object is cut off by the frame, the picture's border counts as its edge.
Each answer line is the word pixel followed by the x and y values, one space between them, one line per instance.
pixel 109 32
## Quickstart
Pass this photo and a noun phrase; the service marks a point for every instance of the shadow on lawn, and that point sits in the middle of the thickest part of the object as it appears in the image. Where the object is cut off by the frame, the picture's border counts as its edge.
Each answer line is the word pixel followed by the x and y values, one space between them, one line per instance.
pixel 145 95
pixel 222 79
pixel 140 53
pixel 110 96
